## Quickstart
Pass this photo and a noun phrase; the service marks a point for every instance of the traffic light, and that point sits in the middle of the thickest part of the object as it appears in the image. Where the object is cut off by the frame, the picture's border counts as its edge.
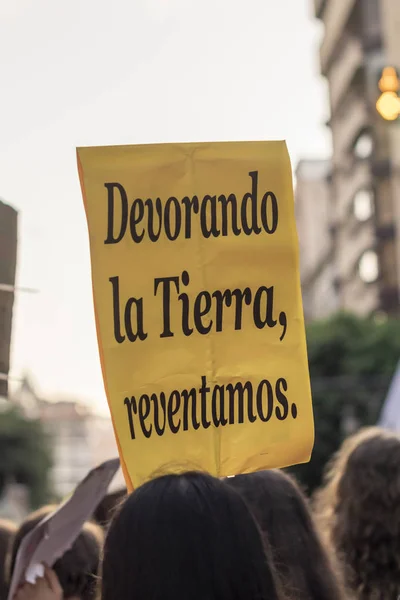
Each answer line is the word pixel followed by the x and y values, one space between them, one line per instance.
pixel 388 103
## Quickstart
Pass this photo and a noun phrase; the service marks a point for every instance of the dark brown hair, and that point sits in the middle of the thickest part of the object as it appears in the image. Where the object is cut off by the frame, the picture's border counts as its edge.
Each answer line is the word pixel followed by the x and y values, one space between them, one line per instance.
pixel 108 506
pixel 186 536
pixel 282 512
pixel 7 532
pixel 359 509
pixel 78 568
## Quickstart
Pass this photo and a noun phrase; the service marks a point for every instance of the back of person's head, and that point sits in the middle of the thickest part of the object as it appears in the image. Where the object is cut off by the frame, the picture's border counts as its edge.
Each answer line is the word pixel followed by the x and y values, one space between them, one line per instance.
pixel 365 504
pixel 7 532
pixel 282 512
pixel 186 536
pixel 107 507
pixel 78 568
pixel 325 499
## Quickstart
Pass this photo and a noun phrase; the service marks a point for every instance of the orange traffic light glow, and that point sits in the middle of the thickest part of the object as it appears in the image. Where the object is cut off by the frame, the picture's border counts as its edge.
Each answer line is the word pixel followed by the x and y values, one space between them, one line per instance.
pixel 388 104
pixel 389 81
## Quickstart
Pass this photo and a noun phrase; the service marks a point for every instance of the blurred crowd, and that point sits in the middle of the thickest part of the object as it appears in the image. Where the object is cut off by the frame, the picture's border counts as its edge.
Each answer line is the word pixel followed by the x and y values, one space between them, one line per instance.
pixel 250 537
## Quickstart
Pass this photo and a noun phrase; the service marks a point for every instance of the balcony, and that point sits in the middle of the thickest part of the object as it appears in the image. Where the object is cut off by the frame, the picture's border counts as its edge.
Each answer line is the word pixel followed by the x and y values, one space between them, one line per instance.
pixel 360 298
pixel 347 185
pixel 346 127
pixel 350 248
pixel 344 70
pixel 335 18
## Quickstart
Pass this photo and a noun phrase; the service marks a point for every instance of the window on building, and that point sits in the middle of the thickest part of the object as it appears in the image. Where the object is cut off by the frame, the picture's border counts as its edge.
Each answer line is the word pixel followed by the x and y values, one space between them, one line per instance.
pixel 363 204
pixel 363 146
pixel 368 266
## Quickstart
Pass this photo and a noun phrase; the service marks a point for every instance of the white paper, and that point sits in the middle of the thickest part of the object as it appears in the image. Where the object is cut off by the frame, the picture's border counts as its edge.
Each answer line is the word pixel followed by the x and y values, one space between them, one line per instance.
pixel 33 572
pixel 56 533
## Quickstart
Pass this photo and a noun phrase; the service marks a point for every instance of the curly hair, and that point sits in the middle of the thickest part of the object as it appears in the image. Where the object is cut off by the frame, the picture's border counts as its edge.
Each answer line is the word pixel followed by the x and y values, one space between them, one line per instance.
pixel 359 512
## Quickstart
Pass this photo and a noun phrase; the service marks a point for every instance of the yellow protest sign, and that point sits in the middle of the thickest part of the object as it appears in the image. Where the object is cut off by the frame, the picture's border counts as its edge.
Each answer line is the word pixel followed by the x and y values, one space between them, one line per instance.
pixel 198 306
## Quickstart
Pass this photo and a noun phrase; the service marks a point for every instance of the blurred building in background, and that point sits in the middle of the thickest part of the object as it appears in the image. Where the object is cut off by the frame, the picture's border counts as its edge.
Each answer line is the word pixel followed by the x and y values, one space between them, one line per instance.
pixel 8 264
pixel 360 38
pixel 14 502
pixel 67 424
pixel 314 223
pixel 80 439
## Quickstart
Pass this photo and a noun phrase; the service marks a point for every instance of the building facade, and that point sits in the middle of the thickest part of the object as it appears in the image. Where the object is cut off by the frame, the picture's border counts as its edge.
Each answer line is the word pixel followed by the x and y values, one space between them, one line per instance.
pixel 79 438
pixel 8 264
pixel 360 38
pixel 314 225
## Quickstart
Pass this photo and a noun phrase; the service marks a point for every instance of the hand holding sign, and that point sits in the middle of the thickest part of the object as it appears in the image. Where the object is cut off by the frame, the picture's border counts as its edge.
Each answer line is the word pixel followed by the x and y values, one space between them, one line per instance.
pixel 55 534
pixel 46 587
pixel 198 306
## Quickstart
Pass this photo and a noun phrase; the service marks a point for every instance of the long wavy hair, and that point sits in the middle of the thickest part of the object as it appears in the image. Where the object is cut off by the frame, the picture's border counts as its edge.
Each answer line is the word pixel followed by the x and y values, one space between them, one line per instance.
pixel 358 510
pixel 281 509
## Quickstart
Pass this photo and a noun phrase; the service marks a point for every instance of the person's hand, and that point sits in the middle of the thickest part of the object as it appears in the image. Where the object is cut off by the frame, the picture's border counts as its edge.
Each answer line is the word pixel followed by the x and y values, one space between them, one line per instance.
pixel 45 588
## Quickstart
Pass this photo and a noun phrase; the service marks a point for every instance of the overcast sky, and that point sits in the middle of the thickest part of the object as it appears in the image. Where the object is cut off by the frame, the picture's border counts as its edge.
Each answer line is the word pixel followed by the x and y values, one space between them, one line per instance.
pixel 94 72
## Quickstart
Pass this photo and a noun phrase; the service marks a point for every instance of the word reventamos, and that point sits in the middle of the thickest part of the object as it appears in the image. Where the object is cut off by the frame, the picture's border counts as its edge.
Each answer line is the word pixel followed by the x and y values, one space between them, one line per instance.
pixel 216 215
pixel 207 406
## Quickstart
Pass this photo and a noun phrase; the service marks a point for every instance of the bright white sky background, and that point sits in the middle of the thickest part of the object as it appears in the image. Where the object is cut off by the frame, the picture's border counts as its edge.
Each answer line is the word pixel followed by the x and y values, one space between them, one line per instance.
pixel 94 72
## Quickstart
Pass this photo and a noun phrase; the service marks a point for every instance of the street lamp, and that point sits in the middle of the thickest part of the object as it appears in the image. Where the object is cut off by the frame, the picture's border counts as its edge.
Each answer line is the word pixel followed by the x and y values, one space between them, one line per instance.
pixel 388 103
